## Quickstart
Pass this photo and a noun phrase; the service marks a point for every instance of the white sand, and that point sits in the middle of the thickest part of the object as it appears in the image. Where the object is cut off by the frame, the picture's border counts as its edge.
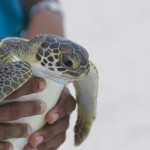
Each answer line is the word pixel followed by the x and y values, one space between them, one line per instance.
pixel 117 36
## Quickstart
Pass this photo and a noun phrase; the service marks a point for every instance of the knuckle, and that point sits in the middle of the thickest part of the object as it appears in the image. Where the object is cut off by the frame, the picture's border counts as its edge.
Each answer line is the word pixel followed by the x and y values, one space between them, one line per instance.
pixel 5 133
pixel 9 131
pixel 15 111
pixel 23 130
pixel 23 109
pixel 37 84
pixel 36 108
pixel 33 87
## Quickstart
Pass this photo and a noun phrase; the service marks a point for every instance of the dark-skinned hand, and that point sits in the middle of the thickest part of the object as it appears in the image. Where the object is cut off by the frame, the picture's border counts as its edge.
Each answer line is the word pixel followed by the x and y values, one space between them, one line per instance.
pixel 52 135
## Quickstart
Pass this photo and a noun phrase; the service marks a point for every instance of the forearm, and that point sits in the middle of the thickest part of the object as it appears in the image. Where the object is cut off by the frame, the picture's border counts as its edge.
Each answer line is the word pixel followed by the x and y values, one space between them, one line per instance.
pixel 45 21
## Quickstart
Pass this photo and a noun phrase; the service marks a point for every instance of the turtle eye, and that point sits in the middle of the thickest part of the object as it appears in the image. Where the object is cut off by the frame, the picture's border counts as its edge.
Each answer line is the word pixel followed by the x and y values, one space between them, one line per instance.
pixel 67 62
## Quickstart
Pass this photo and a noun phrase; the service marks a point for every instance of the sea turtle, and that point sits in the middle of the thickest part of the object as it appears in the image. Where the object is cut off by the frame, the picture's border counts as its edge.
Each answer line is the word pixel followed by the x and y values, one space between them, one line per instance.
pixel 59 61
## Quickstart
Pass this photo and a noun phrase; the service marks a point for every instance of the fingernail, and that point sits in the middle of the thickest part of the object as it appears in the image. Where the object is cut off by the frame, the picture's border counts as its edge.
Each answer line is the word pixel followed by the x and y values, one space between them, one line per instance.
pixel 43 106
pixel 39 139
pixel 55 118
pixel 29 130
pixel 42 85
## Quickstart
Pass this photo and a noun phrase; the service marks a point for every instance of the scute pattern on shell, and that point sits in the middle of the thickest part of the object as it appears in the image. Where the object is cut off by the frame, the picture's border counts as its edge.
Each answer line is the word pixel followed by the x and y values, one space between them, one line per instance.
pixel 12 76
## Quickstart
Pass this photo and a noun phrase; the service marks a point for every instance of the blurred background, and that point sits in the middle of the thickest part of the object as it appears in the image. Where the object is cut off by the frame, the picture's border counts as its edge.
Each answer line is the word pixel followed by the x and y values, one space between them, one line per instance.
pixel 116 34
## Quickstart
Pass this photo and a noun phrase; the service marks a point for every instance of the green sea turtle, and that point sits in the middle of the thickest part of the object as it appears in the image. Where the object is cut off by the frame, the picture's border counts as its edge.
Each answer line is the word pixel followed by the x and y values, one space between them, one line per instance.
pixel 59 61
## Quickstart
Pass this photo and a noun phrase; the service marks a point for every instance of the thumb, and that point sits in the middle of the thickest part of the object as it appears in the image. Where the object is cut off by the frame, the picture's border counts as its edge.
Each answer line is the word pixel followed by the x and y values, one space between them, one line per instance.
pixel 65 106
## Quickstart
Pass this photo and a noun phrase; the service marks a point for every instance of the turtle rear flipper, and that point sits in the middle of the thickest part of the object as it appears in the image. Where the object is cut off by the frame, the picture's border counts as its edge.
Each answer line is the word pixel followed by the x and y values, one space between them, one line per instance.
pixel 86 95
pixel 13 76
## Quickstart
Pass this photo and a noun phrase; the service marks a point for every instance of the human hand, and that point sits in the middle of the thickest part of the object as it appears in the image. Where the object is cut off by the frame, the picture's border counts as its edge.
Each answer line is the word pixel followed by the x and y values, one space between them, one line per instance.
pixel 53 134
pixel 18 109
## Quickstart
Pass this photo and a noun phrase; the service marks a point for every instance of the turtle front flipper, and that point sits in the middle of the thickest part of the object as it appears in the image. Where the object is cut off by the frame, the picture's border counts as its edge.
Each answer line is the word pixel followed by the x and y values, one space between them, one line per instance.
pixel 13 76
pixel 86 95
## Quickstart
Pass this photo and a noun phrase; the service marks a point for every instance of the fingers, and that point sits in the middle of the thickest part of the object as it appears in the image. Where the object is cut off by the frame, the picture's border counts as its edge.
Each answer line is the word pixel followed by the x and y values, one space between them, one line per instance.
pixel 54 143
pixel 13 111
pixel 16 110
pixel 6 146
pixel 50 145
pixel 51 136
pixel 65 106
pixel 48 136
pixel 8 131
pixel 33 85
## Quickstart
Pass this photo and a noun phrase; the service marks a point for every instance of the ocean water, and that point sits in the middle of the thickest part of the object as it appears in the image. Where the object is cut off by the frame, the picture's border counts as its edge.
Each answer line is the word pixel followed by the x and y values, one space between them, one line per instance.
pixel 117 36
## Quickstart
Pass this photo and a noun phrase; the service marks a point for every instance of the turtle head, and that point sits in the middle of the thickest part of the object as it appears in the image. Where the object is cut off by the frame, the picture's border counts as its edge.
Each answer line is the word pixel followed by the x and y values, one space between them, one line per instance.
pixel 64 61
pixel 63 58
